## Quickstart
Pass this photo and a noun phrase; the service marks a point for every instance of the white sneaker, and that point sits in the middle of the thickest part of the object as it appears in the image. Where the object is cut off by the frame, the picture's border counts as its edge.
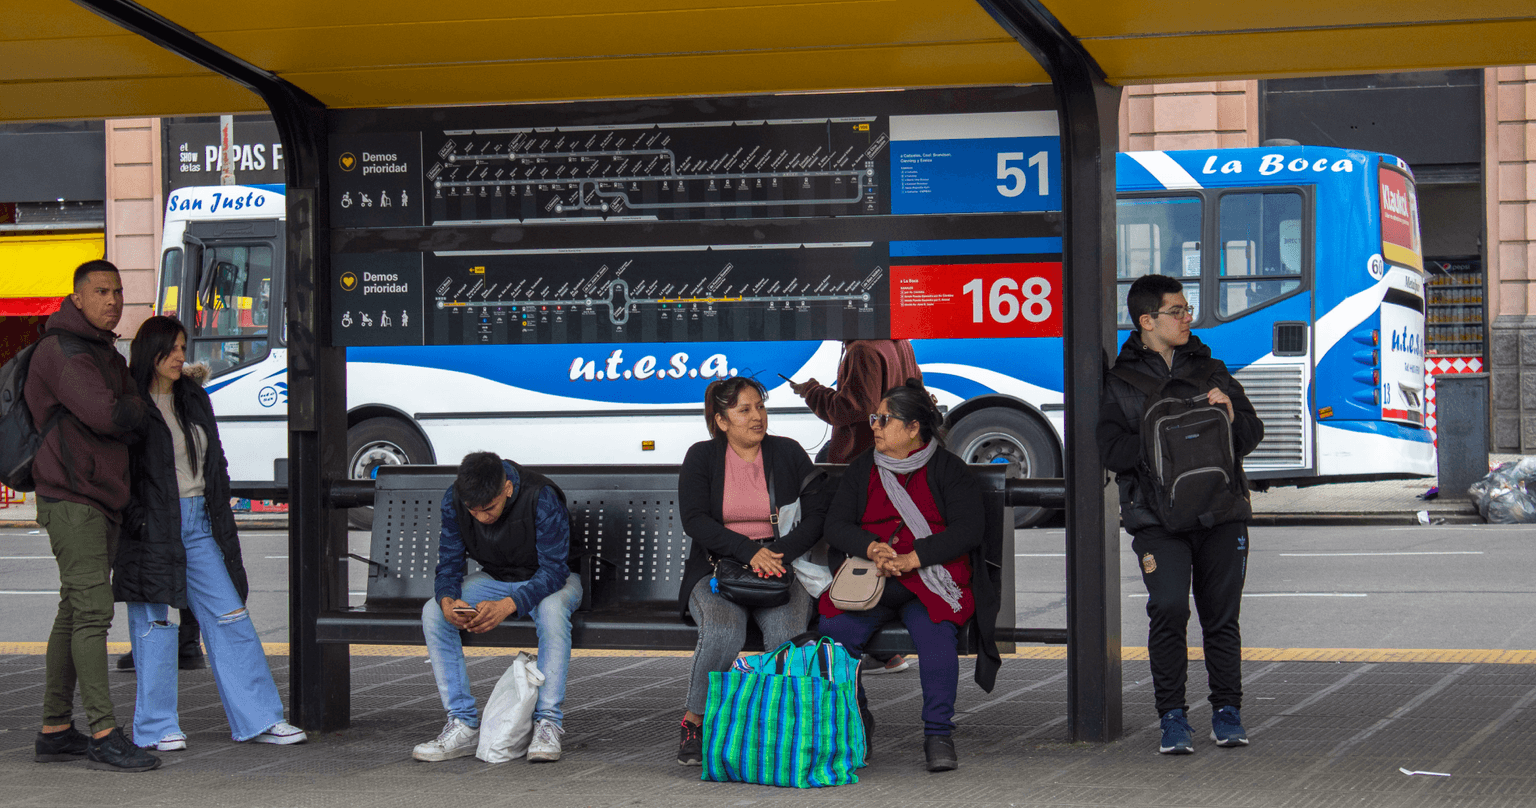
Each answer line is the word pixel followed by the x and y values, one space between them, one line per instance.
pixel 545 746
pixel 281 733
pixel 457 740
pixel 174 742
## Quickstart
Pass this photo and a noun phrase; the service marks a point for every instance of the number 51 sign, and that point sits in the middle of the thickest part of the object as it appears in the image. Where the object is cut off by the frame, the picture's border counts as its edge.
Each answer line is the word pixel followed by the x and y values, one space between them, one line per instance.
pixel 976 301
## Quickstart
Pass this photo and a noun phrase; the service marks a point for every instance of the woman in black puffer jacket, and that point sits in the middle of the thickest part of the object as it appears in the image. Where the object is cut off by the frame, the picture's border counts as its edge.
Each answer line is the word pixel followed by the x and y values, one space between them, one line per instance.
pixel 179 549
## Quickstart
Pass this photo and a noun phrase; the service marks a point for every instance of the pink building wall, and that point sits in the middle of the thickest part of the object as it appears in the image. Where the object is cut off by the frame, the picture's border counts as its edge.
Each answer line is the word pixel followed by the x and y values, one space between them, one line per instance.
pixel 134 209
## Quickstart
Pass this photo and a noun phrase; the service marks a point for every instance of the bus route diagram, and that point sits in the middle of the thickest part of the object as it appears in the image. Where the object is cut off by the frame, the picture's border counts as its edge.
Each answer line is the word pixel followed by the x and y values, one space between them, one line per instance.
pixel 703 293
pixel 770 168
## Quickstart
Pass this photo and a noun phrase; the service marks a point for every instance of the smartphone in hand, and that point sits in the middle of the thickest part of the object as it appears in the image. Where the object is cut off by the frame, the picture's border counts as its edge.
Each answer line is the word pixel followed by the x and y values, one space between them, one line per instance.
pixel 465 611
pixel 785 378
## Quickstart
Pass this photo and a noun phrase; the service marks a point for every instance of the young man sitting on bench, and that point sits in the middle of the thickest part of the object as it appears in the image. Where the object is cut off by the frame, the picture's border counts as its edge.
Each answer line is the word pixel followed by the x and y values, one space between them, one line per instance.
pixel 514 523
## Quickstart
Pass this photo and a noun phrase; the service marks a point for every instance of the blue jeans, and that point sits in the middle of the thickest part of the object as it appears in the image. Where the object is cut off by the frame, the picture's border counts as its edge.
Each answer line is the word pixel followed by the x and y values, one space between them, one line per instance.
pixel 239 665
pixel 552 620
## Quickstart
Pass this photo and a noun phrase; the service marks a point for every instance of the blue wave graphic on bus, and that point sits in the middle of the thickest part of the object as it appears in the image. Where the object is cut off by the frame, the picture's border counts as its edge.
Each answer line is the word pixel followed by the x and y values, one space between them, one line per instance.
pixel 628 373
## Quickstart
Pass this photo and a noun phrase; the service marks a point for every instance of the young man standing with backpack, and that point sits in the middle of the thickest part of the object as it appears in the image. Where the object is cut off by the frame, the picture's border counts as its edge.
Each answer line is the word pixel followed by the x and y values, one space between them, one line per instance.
pixel 81 474
pixel 1174 543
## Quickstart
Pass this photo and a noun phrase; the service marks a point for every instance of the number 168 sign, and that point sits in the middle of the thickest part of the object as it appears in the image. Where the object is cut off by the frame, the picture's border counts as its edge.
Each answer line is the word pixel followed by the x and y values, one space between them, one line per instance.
pixel 976 301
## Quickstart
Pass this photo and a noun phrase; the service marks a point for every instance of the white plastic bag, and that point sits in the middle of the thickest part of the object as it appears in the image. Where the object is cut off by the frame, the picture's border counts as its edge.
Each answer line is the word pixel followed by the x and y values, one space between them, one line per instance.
pixel 506 726
pixel 812 570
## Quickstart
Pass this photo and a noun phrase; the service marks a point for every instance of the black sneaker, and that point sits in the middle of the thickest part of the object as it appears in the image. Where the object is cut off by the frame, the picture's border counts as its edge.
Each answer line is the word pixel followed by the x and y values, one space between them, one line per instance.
pixel 191 662
pixel 690 749
pixel 125 662
pixel 940 751
pixel 114 753
pixel 64 745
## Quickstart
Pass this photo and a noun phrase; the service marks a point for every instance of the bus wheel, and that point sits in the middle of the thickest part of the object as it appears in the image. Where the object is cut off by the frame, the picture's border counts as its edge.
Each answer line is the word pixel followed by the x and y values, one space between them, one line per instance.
pixel 998 435
pixel 380 442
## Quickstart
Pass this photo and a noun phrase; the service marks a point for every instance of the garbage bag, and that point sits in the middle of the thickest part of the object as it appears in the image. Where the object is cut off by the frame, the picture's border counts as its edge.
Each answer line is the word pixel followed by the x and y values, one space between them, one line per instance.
pixel 1507 494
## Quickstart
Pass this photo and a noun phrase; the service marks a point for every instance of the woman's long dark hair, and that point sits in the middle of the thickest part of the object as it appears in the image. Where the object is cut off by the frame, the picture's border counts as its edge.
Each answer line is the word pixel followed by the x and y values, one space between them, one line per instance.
pixel 155 340
pixel 912 402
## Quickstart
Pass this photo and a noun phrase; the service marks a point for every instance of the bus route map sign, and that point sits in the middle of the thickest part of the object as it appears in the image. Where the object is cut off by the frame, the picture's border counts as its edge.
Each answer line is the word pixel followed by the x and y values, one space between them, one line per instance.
pixel 867 215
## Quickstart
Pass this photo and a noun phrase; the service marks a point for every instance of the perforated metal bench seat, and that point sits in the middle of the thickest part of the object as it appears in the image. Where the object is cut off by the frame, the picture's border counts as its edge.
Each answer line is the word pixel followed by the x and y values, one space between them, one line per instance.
pixel 628 518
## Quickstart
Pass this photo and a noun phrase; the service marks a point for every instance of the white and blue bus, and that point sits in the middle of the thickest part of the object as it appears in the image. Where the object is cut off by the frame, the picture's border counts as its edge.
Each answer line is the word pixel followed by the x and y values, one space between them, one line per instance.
pixel 1303 264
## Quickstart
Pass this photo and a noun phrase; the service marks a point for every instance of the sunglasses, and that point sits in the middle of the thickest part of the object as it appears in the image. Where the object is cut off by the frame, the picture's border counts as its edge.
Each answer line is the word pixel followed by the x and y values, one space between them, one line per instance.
pixel 880 419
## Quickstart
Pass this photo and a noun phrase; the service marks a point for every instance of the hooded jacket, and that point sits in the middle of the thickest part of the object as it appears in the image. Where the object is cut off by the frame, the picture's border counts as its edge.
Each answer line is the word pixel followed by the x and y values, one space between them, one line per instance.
pixel 1119 428
pixel 84 458
pixel 151 563
pixel 869 368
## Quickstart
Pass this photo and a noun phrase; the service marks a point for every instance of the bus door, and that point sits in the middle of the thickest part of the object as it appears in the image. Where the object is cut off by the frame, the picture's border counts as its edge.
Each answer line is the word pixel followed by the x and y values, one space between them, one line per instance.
pixel 232 272
pixel 1244 256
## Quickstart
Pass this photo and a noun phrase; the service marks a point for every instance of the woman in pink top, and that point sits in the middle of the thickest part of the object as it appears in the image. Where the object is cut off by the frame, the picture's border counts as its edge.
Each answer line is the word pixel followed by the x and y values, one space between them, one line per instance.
pixel 723 490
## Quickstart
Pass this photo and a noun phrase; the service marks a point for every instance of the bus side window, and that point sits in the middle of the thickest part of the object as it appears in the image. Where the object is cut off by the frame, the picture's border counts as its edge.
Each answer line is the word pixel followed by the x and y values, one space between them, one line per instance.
pixel 1157 235
pixel 1260 238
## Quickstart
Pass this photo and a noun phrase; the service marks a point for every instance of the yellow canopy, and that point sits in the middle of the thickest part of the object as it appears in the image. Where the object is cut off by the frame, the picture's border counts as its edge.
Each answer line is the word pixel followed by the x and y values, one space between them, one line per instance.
pixel 61 61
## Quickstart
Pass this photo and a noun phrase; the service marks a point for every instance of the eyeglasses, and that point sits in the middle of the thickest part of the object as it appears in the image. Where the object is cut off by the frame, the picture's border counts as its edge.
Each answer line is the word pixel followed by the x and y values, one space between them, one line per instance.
pixel 1178 312
pixel 878 420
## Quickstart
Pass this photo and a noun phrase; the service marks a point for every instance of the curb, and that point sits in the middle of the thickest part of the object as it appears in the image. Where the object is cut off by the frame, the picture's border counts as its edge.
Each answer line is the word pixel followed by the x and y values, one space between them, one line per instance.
pixel 1399 518
pixel 242 524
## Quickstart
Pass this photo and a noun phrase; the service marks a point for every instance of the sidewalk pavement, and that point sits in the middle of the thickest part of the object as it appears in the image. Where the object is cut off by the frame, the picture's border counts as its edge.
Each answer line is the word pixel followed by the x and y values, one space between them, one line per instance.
pixel 1328 728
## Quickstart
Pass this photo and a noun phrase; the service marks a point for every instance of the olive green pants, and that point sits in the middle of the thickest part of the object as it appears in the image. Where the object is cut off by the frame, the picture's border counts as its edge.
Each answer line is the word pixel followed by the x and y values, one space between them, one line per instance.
pixel 82 539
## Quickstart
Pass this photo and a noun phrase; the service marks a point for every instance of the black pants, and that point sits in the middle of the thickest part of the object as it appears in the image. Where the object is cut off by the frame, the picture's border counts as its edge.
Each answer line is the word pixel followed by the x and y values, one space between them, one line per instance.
pixel 1216 562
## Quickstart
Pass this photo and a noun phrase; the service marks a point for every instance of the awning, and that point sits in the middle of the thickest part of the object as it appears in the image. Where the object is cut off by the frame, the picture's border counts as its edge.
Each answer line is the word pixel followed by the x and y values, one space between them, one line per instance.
pixel 63 61
pixel 37 270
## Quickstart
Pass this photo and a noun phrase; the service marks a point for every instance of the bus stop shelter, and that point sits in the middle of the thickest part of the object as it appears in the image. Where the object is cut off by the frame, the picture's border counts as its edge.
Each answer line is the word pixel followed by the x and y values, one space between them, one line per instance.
pixel 301 61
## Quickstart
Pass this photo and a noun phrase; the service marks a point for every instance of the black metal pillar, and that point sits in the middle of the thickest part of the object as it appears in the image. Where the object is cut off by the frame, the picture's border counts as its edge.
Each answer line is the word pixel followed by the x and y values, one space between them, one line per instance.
pixel 1089 110
pixel 320 679
pixel 319 676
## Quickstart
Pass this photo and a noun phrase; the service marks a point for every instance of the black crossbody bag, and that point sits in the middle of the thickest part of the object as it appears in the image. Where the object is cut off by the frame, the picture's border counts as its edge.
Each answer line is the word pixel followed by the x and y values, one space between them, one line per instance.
pixel 737 583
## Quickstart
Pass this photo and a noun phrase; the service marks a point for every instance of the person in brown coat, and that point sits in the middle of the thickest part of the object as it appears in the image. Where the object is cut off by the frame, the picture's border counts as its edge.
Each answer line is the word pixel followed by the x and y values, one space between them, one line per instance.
pixel 83 400
pixel 868 368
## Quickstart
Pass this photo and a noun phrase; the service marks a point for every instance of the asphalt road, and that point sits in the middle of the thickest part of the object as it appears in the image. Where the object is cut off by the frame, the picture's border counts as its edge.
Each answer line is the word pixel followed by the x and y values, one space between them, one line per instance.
pixel 1446 586
pixel 29 582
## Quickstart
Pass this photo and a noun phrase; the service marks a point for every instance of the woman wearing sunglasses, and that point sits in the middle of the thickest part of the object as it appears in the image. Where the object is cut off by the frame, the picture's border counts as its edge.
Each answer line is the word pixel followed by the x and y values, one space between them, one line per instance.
pixel 915 509
pixel 727 490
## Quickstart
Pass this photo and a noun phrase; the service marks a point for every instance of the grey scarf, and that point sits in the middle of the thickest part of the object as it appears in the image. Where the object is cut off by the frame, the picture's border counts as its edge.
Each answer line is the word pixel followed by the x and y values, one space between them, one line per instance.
pixel 936 578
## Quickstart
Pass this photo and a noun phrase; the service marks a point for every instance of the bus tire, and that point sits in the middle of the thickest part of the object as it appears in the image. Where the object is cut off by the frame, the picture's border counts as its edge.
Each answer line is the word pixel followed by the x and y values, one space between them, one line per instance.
pixel 380 442
pixel 998 434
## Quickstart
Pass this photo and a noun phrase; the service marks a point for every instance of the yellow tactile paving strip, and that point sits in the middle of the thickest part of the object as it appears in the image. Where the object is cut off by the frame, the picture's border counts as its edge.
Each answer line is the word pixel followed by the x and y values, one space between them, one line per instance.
pixel 1481 656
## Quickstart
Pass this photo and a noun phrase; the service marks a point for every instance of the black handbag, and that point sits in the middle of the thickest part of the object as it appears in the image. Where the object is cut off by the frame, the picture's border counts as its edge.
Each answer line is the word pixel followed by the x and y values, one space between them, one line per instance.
pixel 739 584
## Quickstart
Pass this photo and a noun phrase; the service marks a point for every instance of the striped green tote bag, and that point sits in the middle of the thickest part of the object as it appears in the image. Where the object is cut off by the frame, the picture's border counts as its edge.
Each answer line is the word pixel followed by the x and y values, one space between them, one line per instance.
pixel 794 723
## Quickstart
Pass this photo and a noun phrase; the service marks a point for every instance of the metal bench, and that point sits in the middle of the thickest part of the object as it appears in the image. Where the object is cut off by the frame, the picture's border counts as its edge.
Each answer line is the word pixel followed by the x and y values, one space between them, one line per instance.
pixel 636 549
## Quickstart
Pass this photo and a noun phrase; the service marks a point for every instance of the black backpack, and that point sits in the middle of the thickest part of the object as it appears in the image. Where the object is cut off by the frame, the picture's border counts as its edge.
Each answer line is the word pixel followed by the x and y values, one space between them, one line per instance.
pixel 1187 453
pixel 19 437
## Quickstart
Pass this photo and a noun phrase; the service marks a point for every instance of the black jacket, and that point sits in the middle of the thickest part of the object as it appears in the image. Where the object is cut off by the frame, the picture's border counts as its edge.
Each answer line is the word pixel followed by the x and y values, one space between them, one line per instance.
pixel 1119 429
pixel 701 496
pixel 958 496
pixel 151 564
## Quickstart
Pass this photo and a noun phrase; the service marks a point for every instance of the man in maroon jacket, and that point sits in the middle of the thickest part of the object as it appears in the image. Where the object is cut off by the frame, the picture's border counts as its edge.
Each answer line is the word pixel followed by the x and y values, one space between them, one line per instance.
pixel 81 471
pixel 869 367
